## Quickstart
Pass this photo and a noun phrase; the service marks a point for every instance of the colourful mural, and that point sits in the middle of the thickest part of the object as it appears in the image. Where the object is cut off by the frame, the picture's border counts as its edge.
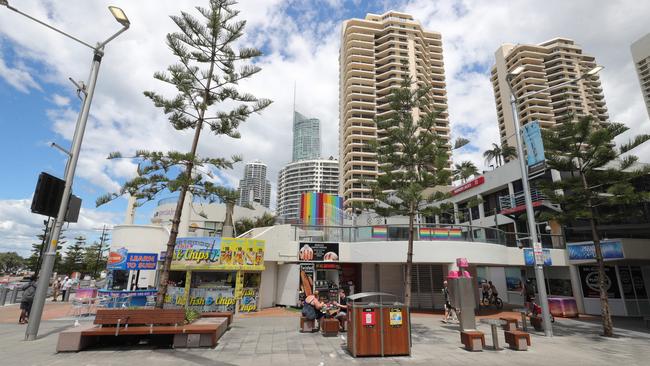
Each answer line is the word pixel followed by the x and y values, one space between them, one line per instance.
pixel 321 209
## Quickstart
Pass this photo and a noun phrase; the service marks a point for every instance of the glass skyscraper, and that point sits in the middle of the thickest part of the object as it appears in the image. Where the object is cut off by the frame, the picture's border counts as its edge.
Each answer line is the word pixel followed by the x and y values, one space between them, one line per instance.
pixel 306 137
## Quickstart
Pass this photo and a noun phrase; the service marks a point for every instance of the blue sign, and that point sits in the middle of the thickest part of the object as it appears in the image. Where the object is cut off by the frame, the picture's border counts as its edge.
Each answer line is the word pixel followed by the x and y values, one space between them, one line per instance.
pixel 529 257
pixel 117 259
pixel 141 261
pixel 534 145
pixel 587 251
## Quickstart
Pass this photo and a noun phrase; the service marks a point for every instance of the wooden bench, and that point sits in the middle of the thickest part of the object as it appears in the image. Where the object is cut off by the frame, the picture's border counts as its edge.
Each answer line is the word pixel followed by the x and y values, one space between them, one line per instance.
pixel 473 340
pixel 144 323
pixel 510 323
pixel 329 327
pixel 219 314
pixel 307 325
pixel 517 340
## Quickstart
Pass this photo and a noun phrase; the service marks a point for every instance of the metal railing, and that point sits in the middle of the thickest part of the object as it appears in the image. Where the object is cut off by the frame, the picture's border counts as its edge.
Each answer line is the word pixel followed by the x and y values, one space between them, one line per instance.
pixel 518 199
pixel 399 232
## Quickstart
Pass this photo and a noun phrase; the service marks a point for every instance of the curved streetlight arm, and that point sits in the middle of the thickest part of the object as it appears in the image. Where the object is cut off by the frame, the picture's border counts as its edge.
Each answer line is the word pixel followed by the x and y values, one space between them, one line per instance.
pixel 101 45
pixel 46 25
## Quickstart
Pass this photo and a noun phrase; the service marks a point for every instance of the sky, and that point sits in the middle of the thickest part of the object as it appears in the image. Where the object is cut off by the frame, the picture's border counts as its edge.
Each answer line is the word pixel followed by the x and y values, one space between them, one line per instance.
pixel 300 44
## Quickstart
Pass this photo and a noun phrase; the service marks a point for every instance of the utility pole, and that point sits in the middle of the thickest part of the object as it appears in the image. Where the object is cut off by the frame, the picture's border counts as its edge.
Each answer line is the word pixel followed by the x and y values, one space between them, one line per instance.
pixel 102 239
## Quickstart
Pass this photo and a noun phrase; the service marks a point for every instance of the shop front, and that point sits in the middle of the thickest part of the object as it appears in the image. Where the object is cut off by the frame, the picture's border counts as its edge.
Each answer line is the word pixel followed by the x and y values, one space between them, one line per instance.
pixel 627 276
pixel 212 274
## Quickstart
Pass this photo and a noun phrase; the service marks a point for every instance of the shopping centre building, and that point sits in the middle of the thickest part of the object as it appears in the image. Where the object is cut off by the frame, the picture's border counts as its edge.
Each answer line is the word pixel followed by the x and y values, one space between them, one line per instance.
pixel 279 264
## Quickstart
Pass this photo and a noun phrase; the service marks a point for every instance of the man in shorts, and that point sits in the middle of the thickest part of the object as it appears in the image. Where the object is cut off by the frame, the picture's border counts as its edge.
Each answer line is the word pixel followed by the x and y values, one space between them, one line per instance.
pixel 448 308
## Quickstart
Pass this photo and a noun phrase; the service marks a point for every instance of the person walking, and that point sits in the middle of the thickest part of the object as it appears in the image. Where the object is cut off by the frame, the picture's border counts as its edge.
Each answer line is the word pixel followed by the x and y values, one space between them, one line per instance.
pixel 56 287
pixel 65 287
pixel 29 290
pixel 449 310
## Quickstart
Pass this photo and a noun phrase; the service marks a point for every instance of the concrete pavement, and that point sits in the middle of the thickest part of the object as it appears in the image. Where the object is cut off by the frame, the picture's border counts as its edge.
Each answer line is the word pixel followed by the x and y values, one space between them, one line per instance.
pixel 274 340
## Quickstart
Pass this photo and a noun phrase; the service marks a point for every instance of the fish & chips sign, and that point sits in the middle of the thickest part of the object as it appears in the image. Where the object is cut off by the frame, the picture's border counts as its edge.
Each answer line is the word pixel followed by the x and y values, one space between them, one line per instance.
pixel 218 254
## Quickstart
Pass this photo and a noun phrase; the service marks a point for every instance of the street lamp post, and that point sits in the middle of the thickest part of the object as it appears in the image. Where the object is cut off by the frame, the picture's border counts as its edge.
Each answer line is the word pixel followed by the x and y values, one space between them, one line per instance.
pixel 530 214
pixel 50 254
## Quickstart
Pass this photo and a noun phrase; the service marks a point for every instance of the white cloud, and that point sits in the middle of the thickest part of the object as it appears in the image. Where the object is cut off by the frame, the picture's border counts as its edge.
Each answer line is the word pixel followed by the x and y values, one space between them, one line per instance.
pixel 304 50
pixel 19 77
pixel 60 100
pixel 19 227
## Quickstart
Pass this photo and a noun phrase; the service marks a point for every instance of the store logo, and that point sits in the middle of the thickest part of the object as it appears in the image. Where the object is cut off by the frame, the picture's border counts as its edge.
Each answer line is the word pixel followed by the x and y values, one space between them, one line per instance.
pixel 592 282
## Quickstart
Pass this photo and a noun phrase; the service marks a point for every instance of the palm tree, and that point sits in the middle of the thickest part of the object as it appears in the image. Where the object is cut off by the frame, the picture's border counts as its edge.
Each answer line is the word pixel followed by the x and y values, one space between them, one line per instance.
pixel 465 170
pixel 499 153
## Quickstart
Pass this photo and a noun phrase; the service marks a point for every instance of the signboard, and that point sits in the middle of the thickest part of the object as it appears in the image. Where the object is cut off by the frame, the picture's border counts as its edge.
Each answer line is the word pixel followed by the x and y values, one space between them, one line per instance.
pixel 529 257
pixel 318 252
pixel 534 145
pixel 368 318
pixel 249 299
pixel 215 253
pixel 141 261
pixel 121 259
pixel 117 259
pixel 611 249
pixel 589 281
pixel 469 185
pixel 395 317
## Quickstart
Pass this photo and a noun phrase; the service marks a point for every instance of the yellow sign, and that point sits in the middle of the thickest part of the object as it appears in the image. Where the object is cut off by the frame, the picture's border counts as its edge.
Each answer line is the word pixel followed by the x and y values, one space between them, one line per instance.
pixel 395 316
pixel 213 253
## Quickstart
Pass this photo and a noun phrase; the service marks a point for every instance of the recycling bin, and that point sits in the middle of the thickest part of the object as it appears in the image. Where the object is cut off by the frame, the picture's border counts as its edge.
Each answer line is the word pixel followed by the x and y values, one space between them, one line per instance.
pixel 378 328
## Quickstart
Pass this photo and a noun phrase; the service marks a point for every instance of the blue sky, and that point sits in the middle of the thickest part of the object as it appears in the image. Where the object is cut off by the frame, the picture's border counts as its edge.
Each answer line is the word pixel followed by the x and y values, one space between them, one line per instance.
pixel 300 41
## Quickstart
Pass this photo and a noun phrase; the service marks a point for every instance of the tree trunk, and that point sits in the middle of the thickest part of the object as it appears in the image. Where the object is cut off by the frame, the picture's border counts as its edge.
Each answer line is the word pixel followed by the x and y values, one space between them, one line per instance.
pixel 409 258
pixel 606 316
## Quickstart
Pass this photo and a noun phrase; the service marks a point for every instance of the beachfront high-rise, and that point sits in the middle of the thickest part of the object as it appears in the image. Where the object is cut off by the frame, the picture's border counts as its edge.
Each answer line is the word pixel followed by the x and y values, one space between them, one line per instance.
pixel 254 187
pixel 546 64
pixel 306 137
pixel 304 176
pixel 641 57
pixel 372 54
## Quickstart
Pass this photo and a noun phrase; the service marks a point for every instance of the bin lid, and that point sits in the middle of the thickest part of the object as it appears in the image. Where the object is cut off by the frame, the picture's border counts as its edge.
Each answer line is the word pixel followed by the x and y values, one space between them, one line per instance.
pixel 362 295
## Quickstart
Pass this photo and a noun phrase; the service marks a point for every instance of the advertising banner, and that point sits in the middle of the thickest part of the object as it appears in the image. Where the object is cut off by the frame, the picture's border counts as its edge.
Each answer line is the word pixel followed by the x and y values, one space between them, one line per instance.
pixel 249 299
pixel 534 145
pixel 121 259
pixel 612 249
pixel 318 252
pixel 589 281
pixel 529 257
pixel 213 253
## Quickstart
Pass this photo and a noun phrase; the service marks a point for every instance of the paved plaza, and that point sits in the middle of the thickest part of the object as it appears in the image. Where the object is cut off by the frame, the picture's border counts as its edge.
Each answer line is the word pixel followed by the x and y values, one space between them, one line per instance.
pixel 272 338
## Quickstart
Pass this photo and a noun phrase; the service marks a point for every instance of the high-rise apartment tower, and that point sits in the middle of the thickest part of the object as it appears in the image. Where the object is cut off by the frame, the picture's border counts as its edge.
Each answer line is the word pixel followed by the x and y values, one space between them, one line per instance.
pixel 372 56
pixel 254 187
pixel 641 57
pixel 546 64
pixel 298 177
pixel 306 137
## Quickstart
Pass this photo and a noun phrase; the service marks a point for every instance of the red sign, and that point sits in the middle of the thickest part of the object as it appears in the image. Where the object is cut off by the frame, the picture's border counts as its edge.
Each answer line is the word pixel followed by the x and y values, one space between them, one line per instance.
pixel 368 318
pixel 469 185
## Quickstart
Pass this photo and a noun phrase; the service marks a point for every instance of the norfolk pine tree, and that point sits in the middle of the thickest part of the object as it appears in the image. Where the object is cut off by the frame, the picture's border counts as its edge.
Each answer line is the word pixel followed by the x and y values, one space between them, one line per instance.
pixel 206 78
pixel 412 158
pixel 600 175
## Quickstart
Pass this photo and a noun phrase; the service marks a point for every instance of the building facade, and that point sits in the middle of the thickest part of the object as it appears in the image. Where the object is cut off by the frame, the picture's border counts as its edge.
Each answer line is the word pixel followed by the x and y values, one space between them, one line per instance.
pixel 254 187
pixel 641 57
pixel 376 54
pixel 546 64
pixel 306 137
pixel 298 177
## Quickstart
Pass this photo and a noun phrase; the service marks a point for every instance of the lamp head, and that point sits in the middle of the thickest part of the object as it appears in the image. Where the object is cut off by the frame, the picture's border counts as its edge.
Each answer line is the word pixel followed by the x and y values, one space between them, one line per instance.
pixel 119 15
pixel 4 3
pixel 595 70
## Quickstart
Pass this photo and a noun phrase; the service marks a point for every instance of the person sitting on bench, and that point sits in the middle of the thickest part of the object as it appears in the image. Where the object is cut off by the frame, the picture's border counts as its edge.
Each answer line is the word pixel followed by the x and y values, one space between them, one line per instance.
pixel 342 315
pixel 311 308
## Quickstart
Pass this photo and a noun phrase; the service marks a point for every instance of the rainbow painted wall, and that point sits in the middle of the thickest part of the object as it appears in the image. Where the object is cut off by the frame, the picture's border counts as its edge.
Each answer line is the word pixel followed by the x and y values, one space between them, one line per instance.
pixel 321 209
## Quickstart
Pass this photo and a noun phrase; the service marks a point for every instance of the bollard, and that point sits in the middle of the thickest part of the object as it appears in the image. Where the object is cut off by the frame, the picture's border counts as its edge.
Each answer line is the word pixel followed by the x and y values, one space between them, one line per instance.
pixel 13 296
pixel 3 295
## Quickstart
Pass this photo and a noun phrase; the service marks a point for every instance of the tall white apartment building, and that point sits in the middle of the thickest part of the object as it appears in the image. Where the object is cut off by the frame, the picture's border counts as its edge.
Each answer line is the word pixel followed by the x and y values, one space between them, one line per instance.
pixel 371 65
pixel 298 177
pixel 254 187
pixel 641 57
pixel 546 64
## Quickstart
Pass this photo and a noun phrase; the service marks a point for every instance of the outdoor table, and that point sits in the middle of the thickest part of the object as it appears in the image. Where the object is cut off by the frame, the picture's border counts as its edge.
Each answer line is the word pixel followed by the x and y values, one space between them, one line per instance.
pixel 495 336
pixel 523 312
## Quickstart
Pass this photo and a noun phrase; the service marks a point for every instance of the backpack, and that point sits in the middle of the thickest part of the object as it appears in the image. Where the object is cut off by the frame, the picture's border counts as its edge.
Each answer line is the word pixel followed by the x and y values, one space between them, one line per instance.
pixel 28 294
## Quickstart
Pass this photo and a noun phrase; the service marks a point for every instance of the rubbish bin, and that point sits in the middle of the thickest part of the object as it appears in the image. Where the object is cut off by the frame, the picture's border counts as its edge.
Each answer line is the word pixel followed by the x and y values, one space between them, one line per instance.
pixel 381 328
pixel 3 295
